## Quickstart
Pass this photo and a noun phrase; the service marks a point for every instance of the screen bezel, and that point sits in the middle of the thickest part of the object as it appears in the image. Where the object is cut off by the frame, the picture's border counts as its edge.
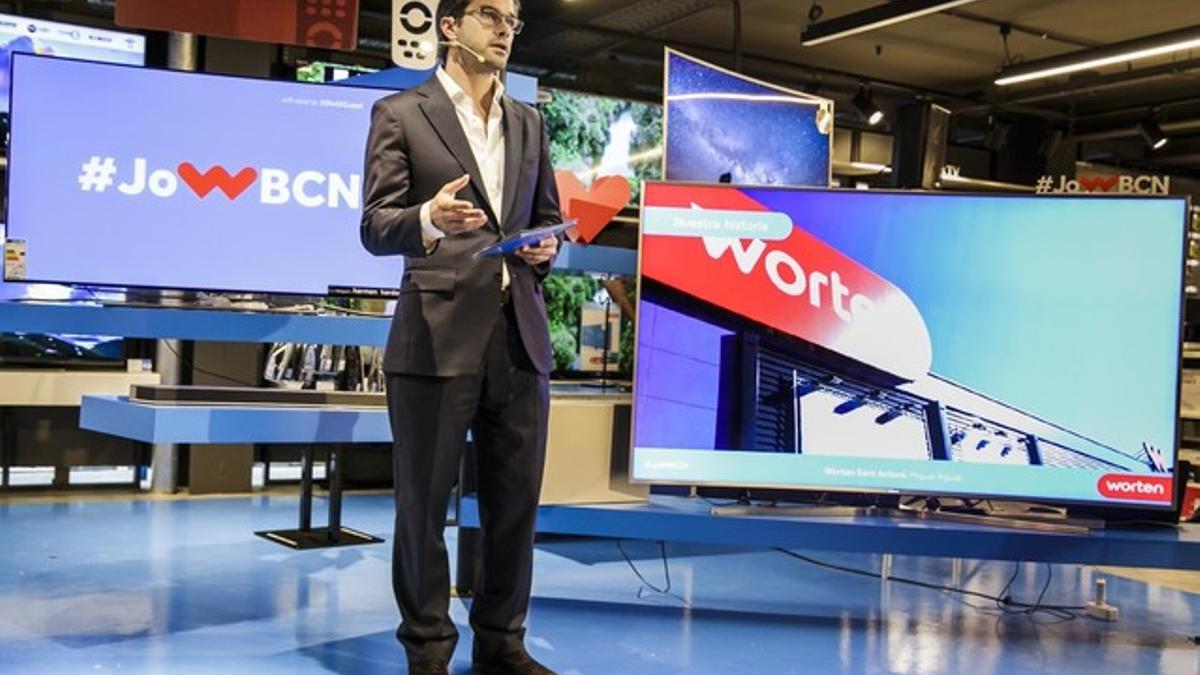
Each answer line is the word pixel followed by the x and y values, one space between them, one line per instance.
pixel 1116 505
pixel 370 293
pixel 666 105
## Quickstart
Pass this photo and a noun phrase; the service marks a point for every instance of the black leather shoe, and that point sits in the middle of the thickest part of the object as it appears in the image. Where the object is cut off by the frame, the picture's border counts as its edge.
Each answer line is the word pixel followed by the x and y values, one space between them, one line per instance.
pixel 428 667
pixel 510 663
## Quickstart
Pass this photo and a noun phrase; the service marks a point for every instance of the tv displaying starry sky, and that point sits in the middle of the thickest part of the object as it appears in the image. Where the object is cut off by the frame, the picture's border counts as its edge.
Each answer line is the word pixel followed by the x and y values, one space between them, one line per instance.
pixel 769 141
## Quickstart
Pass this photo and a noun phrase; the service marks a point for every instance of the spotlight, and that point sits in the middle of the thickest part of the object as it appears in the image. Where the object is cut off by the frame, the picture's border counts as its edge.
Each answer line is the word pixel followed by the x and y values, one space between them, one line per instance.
pixel 1152 133
pixel 890 415
pixel 866 107
pixel 852 404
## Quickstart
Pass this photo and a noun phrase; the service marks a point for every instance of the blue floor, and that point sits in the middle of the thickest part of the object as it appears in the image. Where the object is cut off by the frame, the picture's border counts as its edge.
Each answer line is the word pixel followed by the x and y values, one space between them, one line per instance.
pixel 185 587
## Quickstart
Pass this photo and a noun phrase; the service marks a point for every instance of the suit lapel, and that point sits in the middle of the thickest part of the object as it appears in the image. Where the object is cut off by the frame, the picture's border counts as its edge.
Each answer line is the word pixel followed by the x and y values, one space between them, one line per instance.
pixel 439 110
pixel 514 147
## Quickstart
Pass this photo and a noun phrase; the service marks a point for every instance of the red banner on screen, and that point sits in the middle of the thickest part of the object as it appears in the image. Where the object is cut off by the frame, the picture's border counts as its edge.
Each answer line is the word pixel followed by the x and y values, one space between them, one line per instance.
pixel 799 285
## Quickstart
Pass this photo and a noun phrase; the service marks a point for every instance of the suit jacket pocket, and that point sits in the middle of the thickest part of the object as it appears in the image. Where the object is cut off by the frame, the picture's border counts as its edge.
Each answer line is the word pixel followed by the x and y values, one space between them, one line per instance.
pixel 428 280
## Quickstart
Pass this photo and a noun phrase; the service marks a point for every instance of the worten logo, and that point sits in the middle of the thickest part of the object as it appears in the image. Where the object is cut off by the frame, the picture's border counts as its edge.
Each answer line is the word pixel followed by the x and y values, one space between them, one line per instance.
pixel 311 189
pixel 798 284
pixel 1135 487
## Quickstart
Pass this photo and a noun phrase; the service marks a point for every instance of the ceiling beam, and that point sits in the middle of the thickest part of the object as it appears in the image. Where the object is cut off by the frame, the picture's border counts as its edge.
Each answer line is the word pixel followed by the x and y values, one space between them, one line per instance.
pixel 1026 29
pixel 889 88
pixel 1129 131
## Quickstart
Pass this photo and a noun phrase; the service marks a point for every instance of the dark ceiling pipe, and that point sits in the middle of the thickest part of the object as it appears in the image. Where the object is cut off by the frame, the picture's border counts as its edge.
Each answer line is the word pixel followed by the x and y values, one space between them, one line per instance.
pixel 1021 28
pixel 877 83
pixel 737 35
pixel 1193 100
pixel 1132 130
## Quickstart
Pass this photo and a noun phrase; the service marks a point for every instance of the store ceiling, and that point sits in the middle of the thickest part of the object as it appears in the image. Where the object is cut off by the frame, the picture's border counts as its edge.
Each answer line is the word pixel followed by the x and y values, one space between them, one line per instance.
pixel 951 57
pixel 955 52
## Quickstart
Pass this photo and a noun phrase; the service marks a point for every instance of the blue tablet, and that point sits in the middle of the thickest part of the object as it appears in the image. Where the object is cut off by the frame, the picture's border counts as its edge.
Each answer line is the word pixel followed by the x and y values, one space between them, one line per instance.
pixel 515 241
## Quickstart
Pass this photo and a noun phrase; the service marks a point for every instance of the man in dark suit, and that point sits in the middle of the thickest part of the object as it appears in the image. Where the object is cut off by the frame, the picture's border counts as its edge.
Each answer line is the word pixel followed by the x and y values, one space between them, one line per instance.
pixel 452 166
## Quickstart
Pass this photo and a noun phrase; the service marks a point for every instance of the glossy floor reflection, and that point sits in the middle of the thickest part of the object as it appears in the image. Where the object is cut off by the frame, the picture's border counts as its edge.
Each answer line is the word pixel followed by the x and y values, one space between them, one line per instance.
pixel 185 587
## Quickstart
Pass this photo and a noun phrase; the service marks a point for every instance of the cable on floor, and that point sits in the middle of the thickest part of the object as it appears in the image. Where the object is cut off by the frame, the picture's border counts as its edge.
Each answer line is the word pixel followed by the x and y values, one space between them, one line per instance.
pixel 666 590
pixel 1004 601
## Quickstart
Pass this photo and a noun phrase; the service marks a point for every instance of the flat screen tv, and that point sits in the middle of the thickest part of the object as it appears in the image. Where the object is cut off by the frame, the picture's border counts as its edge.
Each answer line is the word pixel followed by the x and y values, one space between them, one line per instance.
pixel 19 34
pixel 931 344
pixel 725 127
pixel 596 136
pixel 189 181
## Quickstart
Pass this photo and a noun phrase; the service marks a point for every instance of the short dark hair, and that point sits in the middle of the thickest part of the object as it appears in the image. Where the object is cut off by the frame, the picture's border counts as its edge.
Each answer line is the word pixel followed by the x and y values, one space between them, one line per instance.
pixel 455 9
pixel 451 8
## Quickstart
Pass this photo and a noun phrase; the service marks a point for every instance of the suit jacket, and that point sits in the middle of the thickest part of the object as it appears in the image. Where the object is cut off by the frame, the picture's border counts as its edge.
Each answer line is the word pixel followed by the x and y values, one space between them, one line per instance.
pixel 449 301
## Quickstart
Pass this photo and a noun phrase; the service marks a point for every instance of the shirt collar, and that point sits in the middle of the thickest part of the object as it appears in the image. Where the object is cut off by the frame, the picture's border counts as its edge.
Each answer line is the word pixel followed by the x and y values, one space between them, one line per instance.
pixel 460 97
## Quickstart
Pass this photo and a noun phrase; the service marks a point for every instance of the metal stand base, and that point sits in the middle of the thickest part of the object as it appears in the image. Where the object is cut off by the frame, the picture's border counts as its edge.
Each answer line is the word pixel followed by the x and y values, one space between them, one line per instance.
pixel 1013 521
pixel 1016 521
pixel 318 537
pixel 799 511
pixel 333 534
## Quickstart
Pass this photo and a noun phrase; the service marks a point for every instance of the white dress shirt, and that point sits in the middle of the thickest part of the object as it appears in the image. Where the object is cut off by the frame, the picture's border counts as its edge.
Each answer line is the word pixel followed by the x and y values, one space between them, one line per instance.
pixel 487 145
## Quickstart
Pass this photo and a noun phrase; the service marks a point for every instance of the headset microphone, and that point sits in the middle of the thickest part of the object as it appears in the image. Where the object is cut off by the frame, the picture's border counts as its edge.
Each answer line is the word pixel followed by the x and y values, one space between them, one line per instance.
pixel 472 52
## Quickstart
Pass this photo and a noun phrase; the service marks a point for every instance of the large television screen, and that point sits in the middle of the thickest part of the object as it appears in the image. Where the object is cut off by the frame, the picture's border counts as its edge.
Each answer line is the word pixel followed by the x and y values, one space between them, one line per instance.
pixel 998 346
pixel 189 181
pixel 722 126
pixel 596 136
pixel 20 34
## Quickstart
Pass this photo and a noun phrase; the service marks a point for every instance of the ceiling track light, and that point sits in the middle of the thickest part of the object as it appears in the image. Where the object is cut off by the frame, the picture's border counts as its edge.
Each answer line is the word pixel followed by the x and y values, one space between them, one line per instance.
pixel 866 107
pixel 1152 133
pixel 1098 57
pixel 873 18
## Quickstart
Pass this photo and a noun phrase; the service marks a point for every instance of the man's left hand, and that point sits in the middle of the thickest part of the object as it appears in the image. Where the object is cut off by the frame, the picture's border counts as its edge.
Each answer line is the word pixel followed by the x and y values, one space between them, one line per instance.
pixel 543 252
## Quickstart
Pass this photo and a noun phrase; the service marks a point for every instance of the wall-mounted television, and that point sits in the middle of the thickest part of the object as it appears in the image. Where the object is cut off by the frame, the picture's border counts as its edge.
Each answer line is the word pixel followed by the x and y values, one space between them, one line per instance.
pixel 19 34
pixel 595 136
pixel 189 181
pixel 725 127
pixel 949 344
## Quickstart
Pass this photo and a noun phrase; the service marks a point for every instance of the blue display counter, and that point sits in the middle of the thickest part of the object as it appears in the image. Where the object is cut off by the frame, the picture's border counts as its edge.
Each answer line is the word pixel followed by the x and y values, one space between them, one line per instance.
pixel 690 520
pixel 192 324
pixel 199 424
pixel 667 518
pixel 214 424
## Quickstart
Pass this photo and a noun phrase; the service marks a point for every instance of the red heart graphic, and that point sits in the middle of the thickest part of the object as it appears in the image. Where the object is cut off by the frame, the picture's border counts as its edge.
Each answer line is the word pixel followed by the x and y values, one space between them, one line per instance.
pixel 595 206
pixel 216 177
pixel 1090 183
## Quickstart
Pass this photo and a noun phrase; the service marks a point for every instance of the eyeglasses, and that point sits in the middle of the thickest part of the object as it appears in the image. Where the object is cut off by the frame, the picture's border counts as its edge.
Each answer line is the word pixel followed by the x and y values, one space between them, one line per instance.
pixel 491 17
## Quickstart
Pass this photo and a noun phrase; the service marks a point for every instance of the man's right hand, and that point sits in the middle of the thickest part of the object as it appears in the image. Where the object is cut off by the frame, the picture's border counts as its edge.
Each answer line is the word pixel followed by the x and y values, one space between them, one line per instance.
pixel 452 215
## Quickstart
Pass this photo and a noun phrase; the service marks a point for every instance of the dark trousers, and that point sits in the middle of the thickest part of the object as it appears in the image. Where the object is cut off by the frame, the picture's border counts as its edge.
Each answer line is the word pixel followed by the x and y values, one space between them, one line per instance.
pixel 506 406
